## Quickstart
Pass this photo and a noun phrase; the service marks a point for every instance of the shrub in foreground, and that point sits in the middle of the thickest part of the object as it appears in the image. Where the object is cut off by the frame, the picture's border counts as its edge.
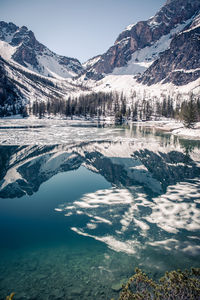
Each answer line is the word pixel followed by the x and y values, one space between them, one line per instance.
pixel 10 297
pixel 174 285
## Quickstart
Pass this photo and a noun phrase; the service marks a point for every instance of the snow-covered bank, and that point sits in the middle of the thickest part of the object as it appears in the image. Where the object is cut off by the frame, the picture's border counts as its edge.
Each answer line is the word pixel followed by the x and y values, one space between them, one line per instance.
pixel 176 128
pixel 188 133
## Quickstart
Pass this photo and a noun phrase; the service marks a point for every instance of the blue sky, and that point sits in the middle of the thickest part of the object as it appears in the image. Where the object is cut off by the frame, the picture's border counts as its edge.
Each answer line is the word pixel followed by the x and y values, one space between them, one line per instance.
pixel 77 28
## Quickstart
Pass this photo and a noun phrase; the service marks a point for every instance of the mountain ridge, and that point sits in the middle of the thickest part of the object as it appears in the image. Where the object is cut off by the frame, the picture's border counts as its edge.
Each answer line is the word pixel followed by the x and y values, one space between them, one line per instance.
pixel 30 53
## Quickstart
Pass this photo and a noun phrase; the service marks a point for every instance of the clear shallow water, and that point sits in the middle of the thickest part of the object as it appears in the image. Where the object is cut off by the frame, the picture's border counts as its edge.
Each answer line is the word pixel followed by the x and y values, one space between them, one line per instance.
pixel 76 219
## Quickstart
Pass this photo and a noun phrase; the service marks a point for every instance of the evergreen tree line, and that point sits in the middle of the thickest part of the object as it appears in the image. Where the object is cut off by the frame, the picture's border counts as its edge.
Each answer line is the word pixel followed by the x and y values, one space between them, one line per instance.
pixel 116 104
pixel 13 109
pixel 103 104
pixel 85 105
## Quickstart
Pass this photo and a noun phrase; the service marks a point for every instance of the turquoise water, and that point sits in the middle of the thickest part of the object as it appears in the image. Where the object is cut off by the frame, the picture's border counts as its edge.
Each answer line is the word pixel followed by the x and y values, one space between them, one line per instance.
pixel 76 220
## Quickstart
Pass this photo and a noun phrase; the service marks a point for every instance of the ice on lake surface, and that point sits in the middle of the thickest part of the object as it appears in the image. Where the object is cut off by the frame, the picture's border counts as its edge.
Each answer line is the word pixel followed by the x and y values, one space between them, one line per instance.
pixel 51 131
pixel 81 208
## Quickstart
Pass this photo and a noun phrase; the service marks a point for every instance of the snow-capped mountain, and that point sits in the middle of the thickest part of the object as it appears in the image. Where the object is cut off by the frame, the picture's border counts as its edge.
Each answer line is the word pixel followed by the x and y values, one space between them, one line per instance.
pixel 141 44
pixel 20 45
pixel 162 51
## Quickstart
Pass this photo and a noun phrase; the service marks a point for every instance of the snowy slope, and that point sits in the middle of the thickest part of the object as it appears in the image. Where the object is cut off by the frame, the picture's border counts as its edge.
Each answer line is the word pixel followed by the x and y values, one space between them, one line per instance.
pixel 6 50
pixel 91 61
pixel 135 91
pixel 31 86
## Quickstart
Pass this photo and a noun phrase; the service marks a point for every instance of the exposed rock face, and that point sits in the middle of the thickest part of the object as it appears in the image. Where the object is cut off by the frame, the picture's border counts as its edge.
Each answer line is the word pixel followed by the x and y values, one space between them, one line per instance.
pixel 179 64
pixel 7 30
pixel 143 34
pixel 29 53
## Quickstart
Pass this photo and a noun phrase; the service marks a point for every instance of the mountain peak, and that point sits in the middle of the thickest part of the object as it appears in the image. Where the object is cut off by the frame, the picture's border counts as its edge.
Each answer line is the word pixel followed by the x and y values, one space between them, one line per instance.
pixel 140 44
pixel 24 28
pixel 28 52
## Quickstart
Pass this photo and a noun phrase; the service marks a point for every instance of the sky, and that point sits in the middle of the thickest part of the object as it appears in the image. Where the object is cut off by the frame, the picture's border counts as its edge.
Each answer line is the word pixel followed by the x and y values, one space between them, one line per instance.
pixel 77 28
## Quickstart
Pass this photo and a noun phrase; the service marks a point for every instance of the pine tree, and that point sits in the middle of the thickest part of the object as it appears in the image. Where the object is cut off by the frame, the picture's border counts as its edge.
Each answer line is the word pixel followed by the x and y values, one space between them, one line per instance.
pixel 164 108
pixel 135 112
pixel 189 114
pixel 198 109
pixel 118 118
pixel 158 109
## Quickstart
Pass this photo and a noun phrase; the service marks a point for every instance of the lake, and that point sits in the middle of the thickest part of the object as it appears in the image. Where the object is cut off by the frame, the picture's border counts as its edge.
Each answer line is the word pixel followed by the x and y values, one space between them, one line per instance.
pixel 81 206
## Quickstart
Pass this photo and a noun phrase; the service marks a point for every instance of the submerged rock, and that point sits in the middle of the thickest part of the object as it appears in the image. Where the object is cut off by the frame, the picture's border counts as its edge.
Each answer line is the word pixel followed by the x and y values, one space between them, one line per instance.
pixel 118 285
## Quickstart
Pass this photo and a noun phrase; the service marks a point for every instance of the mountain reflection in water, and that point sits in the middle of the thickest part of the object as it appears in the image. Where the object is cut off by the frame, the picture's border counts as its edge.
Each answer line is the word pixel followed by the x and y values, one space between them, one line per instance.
pixel 153 200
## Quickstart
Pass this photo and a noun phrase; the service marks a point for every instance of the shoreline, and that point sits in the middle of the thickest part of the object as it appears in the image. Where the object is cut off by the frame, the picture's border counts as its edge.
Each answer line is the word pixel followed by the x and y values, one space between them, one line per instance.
pixel 165 125
pixel 177 128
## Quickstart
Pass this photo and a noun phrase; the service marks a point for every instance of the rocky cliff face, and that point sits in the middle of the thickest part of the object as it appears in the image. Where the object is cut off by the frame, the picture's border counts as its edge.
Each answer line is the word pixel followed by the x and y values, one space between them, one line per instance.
pixel 180 63
pixel 28 52
pixel 141 44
